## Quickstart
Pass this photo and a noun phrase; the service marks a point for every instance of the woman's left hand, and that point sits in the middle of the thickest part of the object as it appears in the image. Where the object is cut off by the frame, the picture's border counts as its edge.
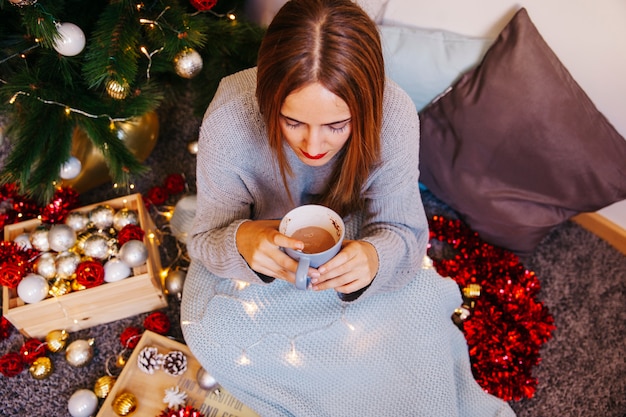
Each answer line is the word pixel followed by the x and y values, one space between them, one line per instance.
pixel 353 268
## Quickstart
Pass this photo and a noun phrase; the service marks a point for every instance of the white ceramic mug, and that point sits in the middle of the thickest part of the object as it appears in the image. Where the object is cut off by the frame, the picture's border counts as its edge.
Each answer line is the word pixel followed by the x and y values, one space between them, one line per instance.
pixel 303 221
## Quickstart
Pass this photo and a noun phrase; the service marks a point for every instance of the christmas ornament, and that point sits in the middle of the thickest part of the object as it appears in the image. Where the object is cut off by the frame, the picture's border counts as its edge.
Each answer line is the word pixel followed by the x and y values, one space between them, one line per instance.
pixel 175 363
pixel 23 241
pixel 116 90
pixel 41 368
pixel 124 217
pixel 102 216
pixel 174 282
pixel 45 265
pixel 139 134
pixel 103 386
pixel 11 364
pixel 129 232
pixel 186 411
pixel 70 169
pixel 174 184
pixel 206 380
pixel 56 340
pixel 90 274
pixel 130 337
pixel 61 237
pixel 149 360
pixel 157 322
pixel 39 239
pixel 96 246
pixel 188 63
pixel 71 39
pixel 124 404
pixel 203 5
pixel 32 350
pixel 79 352
pixel 174 397
pixel 22 3
pixel 82 403
pixel 59 287
pixel 6 328
pixel 134 253
pixel 32 288
pixel 77 220
pixel 66 263
pixel 116 270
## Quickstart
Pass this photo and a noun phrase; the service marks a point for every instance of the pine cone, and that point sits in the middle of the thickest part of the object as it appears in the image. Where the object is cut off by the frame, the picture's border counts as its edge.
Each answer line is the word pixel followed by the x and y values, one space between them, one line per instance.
pixel 149 360
pixel 175 363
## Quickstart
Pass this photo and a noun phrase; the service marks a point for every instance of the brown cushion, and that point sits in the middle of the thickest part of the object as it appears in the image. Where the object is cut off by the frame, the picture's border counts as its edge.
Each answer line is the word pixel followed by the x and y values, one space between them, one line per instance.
pixel 516 147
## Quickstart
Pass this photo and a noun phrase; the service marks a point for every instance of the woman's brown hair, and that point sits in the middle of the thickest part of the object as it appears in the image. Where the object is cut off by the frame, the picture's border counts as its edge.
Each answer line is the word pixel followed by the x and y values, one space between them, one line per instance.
pixel 335 43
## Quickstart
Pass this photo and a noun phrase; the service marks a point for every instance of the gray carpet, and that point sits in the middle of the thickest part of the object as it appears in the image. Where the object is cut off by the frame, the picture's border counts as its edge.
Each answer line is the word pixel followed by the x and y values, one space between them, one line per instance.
pixel 583 370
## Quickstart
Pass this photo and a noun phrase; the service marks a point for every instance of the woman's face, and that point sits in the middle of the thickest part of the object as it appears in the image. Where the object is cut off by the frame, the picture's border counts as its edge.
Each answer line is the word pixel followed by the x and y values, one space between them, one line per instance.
pixel 315 123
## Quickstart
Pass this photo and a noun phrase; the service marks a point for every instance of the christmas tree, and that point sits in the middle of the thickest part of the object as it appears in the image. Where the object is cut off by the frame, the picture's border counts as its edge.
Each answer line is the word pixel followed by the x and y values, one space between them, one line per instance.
pixel 89 66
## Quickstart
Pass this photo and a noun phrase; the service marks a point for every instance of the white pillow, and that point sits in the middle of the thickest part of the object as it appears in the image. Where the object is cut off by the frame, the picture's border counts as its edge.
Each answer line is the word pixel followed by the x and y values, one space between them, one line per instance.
pixel 425 62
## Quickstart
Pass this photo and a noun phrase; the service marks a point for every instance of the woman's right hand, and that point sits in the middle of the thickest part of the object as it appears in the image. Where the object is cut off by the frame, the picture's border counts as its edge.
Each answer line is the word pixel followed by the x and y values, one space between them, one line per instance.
pixel 259 242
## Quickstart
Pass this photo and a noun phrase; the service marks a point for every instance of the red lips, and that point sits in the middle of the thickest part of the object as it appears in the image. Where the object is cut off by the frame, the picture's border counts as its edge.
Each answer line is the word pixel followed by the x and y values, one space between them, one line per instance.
pixel 319 156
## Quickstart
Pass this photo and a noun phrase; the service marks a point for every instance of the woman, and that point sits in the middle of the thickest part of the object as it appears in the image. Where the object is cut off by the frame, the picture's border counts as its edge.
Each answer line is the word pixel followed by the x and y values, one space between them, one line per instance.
pixel 318 122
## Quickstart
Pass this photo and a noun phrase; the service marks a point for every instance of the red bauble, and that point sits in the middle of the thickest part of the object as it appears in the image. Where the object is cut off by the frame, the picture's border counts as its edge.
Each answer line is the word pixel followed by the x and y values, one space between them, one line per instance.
pixel 157 322
pixel 11 364
pixel 157 195
pixel 174 184
pixel 31 350
pixel 130 337
pixel 129 232
pixel 90 274
pixel 203 5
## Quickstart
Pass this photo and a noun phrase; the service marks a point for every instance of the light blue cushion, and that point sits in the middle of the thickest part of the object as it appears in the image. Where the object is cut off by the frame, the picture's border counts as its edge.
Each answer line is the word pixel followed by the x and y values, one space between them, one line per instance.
pixel 425 62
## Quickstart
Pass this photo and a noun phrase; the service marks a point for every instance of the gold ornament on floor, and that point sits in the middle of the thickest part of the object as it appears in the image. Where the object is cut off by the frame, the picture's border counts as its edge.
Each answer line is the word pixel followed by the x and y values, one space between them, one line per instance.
pixel 56 340
pixel 125 404
pixel 138 134
pixel 41 368
pixel 188 63
pixel 103 386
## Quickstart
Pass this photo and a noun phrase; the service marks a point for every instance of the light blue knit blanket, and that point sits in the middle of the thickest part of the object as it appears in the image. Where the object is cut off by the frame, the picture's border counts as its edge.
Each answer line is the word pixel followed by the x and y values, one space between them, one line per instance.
pixel 286 352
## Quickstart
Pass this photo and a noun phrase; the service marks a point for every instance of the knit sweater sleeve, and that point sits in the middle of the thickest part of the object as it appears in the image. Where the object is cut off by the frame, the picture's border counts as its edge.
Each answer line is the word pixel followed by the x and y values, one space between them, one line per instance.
pixel 395 221
pixel 227 137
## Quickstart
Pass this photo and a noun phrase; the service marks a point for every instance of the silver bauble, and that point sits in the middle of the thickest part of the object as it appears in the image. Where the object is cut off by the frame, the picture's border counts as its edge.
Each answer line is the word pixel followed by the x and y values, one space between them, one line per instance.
pixel 134 253
pixel 96 246
pixel 23 241
pixel 79 352
pixel 206 380
pixel 174 281
pixel 39 239
pixel 45 265
pixel 102 216
pixel 116 270
pixel 61 237
pixel 188 63
pixel 77 220
pixel 123 217
pixel 66 263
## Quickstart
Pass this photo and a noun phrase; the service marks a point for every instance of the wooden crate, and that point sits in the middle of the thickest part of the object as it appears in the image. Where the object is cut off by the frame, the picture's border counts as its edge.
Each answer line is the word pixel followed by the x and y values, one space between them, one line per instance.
pixel 150 389
pixel 139 293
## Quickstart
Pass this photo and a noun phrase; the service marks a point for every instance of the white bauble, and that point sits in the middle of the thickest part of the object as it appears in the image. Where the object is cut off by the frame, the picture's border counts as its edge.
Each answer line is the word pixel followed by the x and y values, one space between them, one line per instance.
pixel 116 270
pixel 61 237
pixel 71 168
pixel 71 41
pixel 82 403
pixel 133 253
pixel 33 288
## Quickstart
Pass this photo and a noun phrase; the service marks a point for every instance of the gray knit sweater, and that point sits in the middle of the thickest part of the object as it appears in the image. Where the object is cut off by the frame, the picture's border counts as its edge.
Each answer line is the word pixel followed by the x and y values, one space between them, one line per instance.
pixel 238 179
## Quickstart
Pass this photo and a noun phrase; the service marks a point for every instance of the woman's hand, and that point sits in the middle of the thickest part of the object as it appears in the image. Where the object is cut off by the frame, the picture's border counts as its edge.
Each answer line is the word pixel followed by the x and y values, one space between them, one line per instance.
pixel 353 268
pixel 259 242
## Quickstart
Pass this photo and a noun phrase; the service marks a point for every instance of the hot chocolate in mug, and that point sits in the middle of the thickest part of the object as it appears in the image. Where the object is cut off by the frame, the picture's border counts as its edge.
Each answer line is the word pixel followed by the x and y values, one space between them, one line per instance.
pixel 322 231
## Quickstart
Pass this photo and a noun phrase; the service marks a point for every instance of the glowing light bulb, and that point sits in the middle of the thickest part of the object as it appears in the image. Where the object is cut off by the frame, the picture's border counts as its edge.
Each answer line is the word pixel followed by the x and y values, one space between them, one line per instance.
pixel 243 360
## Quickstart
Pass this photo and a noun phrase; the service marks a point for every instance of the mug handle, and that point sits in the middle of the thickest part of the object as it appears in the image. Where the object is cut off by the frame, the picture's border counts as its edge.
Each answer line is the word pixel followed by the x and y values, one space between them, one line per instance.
pixel 302 280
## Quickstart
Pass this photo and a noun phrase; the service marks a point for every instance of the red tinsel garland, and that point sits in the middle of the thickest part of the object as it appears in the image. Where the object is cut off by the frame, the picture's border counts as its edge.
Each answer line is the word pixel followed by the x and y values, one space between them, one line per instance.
pixel 507 325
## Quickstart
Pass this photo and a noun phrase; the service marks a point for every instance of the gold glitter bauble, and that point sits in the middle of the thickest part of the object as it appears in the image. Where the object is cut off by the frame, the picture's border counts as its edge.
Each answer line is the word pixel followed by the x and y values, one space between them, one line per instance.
pixel 125 404
pixel 57 340
pixel 103 386
pixel 188 63
pixel 41 368
pixel 60 287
